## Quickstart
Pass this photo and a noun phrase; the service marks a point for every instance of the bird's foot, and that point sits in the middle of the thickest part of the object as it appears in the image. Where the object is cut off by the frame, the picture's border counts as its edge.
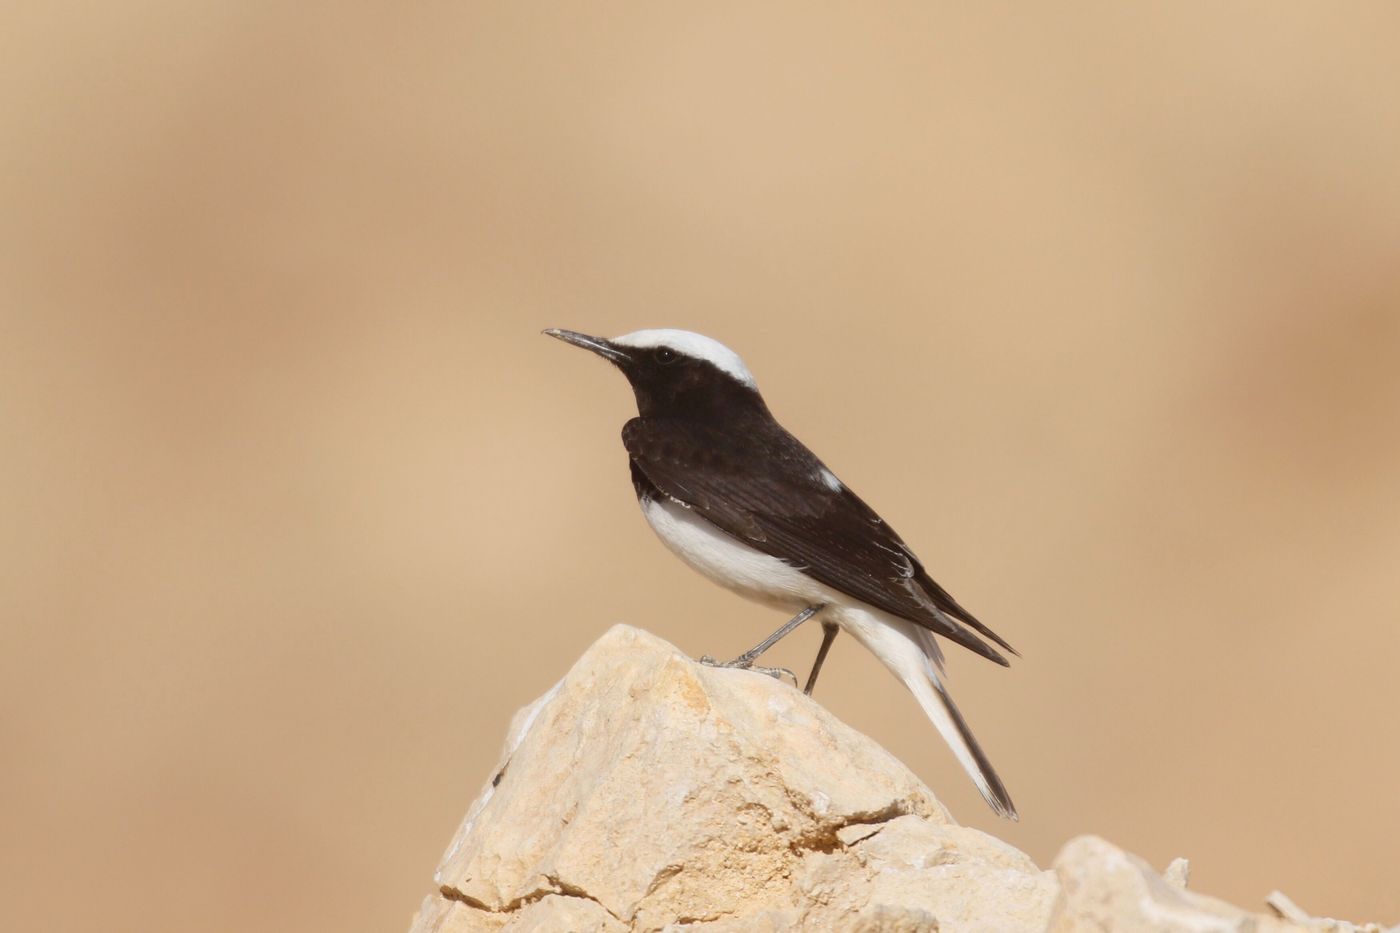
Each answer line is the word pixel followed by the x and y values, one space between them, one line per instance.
pixel 742 663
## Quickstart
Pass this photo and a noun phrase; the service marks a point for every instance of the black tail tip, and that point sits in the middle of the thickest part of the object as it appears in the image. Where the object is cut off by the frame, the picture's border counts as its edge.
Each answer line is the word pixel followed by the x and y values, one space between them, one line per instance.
pixel 1000 802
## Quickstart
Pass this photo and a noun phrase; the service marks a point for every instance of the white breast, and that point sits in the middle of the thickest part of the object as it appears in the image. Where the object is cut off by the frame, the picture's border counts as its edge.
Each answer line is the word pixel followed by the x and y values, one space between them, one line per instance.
pixel 731 563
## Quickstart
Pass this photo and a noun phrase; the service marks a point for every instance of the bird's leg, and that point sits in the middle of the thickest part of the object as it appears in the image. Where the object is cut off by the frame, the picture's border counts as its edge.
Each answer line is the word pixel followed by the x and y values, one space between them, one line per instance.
pixel 829 630
pixel 745 660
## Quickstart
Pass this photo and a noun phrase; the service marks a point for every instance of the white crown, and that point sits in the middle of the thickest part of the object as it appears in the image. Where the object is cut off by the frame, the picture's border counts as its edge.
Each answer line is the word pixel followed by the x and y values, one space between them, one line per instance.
pixel 694 345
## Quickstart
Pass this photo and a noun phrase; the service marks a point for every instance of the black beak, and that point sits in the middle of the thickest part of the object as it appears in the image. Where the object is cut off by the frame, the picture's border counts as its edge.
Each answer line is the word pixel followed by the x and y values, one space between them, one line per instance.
pixel 598 345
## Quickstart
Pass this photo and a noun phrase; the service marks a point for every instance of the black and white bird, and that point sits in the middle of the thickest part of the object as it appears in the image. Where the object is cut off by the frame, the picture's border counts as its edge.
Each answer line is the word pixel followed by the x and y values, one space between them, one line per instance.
pixel 742 501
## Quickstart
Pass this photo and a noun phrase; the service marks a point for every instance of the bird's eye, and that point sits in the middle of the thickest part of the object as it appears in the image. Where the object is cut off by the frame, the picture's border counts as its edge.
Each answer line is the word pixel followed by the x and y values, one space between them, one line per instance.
pixel 665 355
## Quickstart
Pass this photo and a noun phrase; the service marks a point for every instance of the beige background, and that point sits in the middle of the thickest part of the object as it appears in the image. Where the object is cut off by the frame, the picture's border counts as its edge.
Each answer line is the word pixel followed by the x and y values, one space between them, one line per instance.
pixel 1101 308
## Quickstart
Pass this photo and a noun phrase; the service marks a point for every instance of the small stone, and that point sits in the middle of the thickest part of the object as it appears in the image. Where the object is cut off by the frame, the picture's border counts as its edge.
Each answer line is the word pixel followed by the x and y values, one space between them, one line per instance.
pixel 1178 874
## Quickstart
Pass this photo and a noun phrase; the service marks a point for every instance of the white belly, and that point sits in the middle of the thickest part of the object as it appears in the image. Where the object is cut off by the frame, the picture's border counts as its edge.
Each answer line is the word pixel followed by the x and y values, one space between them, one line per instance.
pixel 776 583
pixel 731 563
pixel 909 651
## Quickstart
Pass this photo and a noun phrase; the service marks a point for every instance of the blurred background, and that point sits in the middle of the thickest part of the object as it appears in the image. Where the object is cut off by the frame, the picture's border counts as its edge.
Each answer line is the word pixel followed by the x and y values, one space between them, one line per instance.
pixel 1100 307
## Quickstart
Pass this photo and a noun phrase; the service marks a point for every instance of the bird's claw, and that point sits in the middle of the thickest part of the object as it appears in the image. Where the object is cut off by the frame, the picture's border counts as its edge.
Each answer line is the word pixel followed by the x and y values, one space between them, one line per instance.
pixel 776 673
pixel 742 663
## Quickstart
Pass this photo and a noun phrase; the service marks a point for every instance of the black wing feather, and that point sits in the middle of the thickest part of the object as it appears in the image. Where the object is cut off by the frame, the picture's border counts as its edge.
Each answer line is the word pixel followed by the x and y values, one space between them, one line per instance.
pixel 764 488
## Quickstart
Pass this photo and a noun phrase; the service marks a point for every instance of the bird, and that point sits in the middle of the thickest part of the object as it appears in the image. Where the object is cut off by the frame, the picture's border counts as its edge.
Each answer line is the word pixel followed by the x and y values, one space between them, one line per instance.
pixel 742 501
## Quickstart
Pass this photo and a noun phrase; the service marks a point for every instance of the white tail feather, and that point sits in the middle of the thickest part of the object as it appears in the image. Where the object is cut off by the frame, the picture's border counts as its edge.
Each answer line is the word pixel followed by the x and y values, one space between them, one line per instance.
pixel 910 652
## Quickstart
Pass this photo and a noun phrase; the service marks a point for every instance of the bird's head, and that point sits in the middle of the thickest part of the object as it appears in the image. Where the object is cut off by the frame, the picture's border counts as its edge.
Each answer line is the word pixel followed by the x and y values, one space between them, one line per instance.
pixel 675 372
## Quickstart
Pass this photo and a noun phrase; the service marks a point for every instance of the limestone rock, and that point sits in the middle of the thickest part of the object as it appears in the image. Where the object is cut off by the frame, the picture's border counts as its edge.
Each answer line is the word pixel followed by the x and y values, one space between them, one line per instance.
pixel 1104 888
pixel 1178 874
pixel 1283 906
pixel 648 792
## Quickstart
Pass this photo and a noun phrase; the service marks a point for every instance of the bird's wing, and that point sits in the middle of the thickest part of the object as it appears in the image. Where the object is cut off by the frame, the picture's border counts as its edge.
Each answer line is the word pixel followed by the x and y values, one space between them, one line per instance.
pixel 772 493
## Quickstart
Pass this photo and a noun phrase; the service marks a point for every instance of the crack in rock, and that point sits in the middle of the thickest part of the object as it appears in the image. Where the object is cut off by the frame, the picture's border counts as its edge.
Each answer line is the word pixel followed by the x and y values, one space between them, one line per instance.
pixel 559 888
pixel 827 837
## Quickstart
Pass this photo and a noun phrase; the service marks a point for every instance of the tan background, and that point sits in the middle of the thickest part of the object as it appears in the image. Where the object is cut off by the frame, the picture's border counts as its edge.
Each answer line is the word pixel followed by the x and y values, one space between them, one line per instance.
pixel 1101 308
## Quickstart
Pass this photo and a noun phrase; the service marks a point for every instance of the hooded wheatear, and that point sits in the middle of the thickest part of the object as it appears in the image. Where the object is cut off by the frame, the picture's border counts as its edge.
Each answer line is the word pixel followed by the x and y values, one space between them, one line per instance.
pixel 742 501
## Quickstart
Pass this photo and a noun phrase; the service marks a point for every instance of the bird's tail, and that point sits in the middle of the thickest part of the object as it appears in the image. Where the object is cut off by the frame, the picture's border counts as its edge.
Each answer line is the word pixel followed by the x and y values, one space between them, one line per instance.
pixel 911 653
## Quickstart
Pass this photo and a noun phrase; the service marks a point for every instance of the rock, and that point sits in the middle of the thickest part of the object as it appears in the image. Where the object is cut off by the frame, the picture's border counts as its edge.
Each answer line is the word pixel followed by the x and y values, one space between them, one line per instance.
pixel 1283 906
pixel 1104 888
pixel 648 792
pixel 1178 874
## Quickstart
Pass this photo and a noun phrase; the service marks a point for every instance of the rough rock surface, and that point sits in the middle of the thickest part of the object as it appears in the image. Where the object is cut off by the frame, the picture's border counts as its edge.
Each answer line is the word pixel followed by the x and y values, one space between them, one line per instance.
pixel 648 792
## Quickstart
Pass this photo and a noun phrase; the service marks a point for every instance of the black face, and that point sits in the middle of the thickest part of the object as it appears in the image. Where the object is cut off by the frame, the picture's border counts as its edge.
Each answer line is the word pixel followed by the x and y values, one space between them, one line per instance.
pixel 669 383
